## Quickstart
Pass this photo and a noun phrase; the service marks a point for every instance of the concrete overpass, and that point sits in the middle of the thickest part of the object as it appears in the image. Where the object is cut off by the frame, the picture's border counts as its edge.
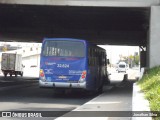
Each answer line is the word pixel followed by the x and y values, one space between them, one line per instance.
pixel 114 22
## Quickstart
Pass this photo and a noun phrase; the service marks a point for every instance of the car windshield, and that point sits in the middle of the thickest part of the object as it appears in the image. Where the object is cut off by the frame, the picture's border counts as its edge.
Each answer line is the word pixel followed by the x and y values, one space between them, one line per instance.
pixel 64 48
pixel 122 66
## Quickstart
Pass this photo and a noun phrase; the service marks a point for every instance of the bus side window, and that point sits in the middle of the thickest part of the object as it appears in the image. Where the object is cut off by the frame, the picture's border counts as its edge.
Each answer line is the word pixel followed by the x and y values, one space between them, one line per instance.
pixel 97 57
pixel 94 57
pixel 104 59
pixel 92 60
pixel 101 58
pixel 89 56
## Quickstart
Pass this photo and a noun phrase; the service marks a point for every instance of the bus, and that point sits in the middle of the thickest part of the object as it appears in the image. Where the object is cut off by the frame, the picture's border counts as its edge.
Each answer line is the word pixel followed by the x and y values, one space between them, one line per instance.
pixel 68 63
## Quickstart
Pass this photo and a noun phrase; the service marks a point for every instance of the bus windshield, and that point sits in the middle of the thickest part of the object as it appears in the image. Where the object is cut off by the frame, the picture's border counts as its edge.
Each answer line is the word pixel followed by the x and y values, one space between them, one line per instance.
pixel 64 48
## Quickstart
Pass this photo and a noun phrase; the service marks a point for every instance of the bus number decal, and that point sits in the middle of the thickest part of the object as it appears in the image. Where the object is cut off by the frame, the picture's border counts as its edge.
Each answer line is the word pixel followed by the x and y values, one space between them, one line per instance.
pixel 63 65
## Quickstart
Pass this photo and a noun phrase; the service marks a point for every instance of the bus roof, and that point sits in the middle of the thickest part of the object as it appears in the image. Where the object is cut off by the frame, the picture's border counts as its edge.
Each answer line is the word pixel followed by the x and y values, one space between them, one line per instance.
pixel 63 39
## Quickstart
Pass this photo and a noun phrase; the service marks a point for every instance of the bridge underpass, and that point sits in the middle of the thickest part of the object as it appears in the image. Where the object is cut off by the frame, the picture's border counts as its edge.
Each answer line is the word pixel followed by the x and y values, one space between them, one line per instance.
pixel 101 25
pixel 114 25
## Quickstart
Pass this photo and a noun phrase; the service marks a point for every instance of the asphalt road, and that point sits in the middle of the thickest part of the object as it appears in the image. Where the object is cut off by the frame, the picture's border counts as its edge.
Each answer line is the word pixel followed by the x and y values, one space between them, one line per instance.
pixel 24 94
pixel 27 96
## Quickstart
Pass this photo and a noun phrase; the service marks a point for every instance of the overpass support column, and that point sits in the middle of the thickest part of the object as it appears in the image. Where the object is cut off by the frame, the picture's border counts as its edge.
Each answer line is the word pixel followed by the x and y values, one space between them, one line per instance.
pixel 154 37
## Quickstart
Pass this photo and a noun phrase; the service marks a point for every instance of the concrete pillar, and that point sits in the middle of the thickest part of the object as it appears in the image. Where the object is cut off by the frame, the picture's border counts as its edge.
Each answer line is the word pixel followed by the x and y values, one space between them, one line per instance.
pixel 154 38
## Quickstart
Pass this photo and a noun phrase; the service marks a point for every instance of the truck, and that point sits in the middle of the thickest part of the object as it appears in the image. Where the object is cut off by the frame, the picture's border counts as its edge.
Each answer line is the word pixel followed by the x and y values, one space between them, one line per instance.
pixel 12 64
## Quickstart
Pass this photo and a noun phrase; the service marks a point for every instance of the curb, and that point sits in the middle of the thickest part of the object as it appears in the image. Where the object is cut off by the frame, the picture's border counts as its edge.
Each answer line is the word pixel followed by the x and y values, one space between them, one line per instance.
pixel 139 103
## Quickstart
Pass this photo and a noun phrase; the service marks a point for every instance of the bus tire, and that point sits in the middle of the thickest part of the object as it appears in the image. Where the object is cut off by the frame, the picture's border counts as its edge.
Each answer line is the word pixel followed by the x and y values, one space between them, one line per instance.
pixel 107 81
pixel 100 90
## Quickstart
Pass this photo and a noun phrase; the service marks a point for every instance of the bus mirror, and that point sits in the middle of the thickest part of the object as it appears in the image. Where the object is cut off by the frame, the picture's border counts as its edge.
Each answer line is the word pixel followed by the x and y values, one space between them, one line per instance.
pixel 108 61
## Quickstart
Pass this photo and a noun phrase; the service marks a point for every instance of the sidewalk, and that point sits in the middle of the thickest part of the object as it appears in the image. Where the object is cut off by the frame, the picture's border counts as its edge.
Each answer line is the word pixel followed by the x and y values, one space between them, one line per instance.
pixel 114 104
pixel 139 103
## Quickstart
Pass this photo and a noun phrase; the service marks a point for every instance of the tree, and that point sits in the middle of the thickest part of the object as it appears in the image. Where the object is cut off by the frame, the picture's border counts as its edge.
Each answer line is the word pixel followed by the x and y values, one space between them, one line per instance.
pixel 136 59
pixel 4 48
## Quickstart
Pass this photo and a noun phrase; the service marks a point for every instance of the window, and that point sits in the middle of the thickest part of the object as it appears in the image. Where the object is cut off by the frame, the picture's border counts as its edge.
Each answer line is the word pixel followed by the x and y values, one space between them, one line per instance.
pixel 122 66
pixel 64 48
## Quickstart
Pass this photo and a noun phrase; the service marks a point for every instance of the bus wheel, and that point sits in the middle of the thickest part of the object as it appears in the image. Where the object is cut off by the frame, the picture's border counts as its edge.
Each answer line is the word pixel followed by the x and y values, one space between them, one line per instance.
pixel 100 90
pixel 107 81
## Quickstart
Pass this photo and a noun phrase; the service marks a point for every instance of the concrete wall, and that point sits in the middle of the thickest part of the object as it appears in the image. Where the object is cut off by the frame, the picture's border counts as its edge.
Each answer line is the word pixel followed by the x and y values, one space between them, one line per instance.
pixel 154 38
pixel 30 61
pixel 32 64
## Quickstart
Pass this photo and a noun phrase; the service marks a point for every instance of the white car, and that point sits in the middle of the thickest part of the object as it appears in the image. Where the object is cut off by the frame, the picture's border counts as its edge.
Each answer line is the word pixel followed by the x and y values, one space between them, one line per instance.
pixel 122 67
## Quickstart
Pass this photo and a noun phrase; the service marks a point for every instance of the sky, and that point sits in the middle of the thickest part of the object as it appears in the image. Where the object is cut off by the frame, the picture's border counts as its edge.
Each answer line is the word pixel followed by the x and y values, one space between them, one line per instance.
pixel 113 51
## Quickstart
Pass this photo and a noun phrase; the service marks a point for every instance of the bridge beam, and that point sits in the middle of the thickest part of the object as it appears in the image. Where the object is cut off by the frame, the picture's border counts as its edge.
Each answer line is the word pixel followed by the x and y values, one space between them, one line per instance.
pixel 100 3
pixel 154 38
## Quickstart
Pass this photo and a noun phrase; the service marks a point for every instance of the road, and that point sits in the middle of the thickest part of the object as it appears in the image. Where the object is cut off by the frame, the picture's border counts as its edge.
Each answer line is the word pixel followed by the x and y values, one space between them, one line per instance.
pixel 27 96
pixel 23 94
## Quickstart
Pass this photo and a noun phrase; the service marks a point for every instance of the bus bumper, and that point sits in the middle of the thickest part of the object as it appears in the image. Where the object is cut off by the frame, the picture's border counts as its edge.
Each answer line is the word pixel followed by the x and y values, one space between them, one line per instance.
pixel 62 85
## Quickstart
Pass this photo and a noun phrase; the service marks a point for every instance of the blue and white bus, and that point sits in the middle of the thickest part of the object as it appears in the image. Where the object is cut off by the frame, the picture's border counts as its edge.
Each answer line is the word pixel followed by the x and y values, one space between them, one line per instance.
pixel 72 63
